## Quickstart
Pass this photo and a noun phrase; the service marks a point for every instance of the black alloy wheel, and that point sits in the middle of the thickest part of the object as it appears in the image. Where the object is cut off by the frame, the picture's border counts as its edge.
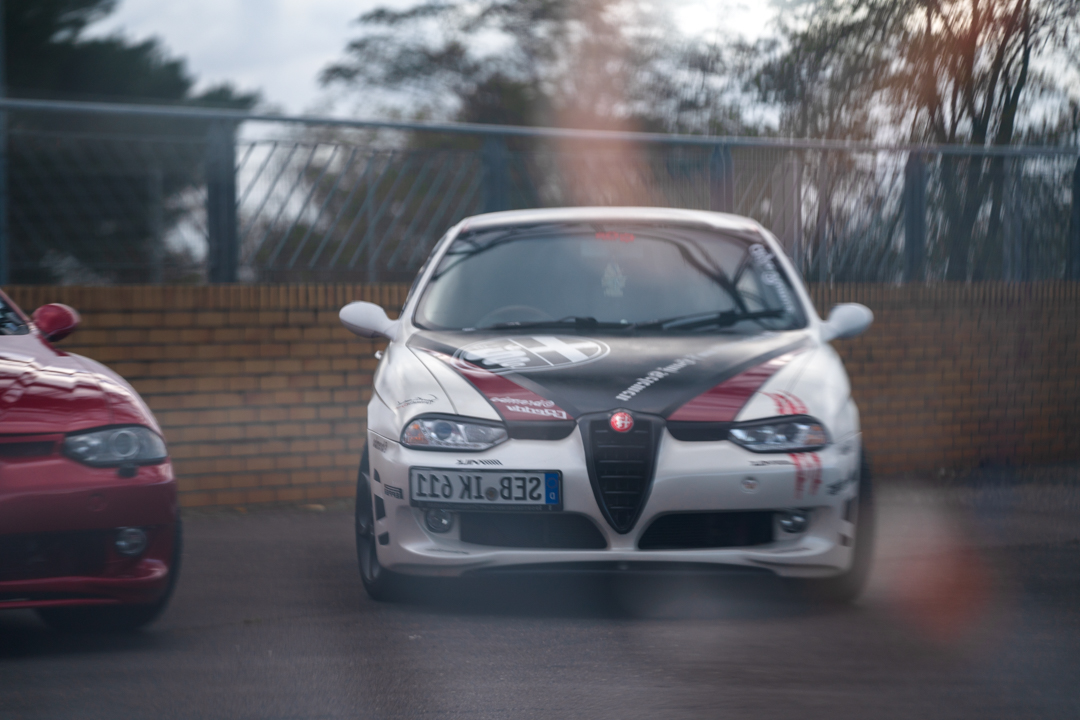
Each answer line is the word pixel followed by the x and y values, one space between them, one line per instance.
pixel 116 618
pixel 380 583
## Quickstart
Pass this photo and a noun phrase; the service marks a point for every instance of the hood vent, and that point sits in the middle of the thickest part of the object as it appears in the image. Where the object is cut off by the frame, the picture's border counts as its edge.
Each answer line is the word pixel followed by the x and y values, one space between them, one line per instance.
pixel 621 466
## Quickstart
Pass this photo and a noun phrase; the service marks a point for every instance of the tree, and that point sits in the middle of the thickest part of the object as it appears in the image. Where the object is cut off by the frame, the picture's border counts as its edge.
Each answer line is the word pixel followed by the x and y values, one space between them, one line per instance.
pixel 613 64
pixel 91 196
pixel 586 64
pixel 970 72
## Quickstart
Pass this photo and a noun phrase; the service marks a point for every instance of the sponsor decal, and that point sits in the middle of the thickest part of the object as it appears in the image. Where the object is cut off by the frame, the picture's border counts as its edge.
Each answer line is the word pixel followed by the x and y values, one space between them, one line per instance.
pixel 532 353
pixel 613 281
pixel 379 444
pixel 622 422
pixel 479 462
pixel 763 260
pixel 656 376
pixel 788 404
pixel 422 400
pixel 766 463
pixel 807 472
pixel 541 408
pixel 510 400
pixel 394 492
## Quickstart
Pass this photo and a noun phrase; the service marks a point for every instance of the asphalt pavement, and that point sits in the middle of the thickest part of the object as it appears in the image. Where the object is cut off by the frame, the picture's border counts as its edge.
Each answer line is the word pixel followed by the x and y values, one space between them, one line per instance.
pixel 973 611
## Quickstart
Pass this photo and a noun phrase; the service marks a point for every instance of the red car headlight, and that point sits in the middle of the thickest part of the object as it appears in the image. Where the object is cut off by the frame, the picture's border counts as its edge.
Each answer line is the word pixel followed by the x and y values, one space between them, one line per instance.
pixel 112 447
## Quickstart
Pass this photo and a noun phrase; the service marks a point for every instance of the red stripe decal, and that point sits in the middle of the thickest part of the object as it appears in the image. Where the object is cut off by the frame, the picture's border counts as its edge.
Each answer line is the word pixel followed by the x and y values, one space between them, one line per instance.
pixel 723 402
pixel 510 400
pixel 816 472
pixel 800 476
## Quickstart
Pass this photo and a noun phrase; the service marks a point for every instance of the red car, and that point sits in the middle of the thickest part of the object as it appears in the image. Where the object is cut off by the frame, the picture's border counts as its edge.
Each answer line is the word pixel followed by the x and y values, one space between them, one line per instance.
pixel 89 524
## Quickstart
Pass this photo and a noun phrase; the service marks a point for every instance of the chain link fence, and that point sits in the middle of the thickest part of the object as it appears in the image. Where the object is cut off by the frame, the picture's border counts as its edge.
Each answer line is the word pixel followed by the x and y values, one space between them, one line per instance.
pixel 101 194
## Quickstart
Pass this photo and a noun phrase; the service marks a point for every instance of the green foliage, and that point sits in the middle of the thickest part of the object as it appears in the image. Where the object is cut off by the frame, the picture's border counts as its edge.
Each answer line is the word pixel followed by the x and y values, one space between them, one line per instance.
pixel 92 197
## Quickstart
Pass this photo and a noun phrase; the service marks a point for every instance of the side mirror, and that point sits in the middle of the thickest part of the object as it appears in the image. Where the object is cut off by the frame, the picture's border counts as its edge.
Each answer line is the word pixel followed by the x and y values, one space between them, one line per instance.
pixel 56 321
pixel 368 320
pixel 846 321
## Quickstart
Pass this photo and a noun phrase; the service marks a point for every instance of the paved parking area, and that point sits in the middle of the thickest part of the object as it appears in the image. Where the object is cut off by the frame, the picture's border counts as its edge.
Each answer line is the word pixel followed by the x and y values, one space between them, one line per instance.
pixel 973 612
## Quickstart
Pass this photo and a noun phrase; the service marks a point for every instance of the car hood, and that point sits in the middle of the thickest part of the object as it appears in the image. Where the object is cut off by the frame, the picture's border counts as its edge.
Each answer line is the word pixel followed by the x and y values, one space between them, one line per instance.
pixel 577 374
pixel 44 391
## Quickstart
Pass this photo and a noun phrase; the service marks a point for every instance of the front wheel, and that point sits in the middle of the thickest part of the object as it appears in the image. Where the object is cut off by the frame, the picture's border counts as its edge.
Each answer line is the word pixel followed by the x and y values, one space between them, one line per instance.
pixel 115 618
pixel 847 586
pixel 380 583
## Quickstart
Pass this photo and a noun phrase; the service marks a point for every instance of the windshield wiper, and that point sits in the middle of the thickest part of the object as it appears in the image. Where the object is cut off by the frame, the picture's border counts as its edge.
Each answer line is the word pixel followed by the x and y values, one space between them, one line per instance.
pixel 723 319
pixel 586 323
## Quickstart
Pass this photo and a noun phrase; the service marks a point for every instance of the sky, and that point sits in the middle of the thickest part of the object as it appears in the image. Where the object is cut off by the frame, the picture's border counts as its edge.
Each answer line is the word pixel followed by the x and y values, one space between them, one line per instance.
pixel 279 46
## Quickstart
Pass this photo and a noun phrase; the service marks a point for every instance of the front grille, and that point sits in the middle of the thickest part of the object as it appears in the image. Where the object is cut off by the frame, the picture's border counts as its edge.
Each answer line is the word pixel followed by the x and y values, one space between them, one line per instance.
pixel 27 449
pixel 46 555
pixel 555 531
pixel 690 531
pixel 621 468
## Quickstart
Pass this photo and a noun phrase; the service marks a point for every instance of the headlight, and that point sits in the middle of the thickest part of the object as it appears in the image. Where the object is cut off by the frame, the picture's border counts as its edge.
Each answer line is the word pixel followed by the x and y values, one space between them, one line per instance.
pixel 132 445
pixel 439 433
pixel 780 435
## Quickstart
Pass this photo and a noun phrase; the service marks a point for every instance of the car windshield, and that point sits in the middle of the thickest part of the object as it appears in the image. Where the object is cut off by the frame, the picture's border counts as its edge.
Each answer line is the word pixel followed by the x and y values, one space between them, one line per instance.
pixel 621 277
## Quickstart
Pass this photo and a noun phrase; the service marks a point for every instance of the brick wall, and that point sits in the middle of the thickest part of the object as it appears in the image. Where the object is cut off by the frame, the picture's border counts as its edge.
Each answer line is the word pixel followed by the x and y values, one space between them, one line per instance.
pixel 957 376
pixel 260 391
pixel 262 394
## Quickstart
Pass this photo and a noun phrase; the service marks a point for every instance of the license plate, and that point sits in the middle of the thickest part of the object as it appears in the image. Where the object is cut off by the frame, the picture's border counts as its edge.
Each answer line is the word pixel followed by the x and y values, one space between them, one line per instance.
pixel 486 489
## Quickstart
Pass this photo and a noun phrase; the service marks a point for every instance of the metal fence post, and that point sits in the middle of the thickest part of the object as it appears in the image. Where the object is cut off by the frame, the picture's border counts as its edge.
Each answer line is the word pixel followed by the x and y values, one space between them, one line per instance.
pixel 155 212
pixel 1015 250
pixel 495 158
pixel 721 180
pixel 787 197
pixel 5 240
pixel 224 251
pixel 914 217
pixel 1074 229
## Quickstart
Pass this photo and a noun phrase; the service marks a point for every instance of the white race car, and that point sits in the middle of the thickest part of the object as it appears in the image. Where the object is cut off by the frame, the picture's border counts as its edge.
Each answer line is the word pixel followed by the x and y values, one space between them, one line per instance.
pixel 612 388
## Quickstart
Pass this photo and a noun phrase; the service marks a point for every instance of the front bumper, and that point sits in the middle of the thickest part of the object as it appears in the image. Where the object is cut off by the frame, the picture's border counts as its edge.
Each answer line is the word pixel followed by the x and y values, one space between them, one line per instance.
pixel 57 525
pixel 689 477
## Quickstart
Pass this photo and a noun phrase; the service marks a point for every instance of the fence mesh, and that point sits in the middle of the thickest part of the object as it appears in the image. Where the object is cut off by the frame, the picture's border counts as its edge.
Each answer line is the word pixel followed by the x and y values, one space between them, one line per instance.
pixel 336 204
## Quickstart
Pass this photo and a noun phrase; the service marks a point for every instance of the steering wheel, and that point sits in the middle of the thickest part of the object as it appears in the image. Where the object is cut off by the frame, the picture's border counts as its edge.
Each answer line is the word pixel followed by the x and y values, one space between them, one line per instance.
pixel 512 313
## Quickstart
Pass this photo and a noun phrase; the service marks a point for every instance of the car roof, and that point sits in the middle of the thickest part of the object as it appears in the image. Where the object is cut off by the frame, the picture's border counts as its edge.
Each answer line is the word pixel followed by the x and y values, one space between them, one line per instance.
pixel 721 221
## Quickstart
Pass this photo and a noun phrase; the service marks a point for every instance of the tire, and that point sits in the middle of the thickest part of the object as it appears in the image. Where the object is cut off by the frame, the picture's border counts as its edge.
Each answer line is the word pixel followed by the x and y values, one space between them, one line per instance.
pixel 846 587
pixel 381 584
pixel 116 618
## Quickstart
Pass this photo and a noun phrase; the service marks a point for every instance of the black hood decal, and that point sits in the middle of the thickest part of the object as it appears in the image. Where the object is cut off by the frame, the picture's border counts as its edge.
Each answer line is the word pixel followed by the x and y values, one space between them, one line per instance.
pixel 588 374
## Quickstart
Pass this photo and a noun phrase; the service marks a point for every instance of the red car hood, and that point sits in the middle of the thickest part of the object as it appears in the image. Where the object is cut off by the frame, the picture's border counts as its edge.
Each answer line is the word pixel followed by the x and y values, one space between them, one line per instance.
pixel 45 391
